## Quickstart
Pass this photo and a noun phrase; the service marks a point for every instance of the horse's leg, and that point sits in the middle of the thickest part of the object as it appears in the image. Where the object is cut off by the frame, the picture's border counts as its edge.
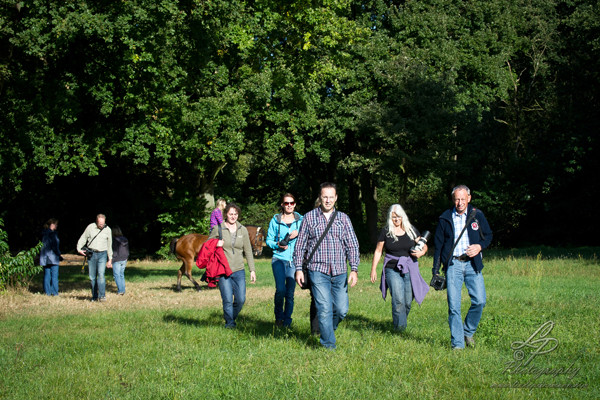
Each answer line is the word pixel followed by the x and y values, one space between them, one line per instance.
pixel 179 274
pixel 188 273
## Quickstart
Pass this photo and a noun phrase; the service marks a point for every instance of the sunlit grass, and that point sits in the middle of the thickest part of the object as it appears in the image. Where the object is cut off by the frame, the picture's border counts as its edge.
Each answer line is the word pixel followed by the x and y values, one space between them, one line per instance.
pixel 156 343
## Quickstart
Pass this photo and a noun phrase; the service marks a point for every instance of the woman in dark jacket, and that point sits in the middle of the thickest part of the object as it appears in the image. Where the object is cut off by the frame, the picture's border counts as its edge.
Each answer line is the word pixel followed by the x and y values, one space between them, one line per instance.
pixel 50 257
pixel 120 247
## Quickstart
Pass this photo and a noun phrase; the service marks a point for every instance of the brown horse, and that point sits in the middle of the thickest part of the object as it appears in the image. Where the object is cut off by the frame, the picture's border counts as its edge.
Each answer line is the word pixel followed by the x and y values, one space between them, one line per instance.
pixel 187 247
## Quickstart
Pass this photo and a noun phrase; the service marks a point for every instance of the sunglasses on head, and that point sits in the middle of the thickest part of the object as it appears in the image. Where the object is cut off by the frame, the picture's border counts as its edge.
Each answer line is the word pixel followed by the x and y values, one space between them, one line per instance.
pixel 289 203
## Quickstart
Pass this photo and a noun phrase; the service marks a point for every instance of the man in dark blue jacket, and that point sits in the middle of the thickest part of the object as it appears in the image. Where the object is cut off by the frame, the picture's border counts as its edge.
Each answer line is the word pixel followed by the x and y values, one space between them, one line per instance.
pixel 463 263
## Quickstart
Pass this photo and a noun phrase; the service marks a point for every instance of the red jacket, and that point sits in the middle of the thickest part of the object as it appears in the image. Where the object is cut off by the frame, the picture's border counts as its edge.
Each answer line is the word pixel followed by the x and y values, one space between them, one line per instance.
pixel 213 259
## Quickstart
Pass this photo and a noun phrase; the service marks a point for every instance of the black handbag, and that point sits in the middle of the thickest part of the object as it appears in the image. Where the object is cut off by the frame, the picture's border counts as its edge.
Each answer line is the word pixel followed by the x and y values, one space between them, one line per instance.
pixel 306 284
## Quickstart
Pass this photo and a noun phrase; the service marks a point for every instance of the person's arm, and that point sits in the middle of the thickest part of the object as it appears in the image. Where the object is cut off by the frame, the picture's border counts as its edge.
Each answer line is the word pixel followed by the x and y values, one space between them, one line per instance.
pixel 485 236
pixel 419 254
pixel 81 242
pixel 271 242
pixel 300 249
pixel 248 253
pixel 351 245
pixel 300 252
pixel 438 240
pixel 376 258
pixel 109 244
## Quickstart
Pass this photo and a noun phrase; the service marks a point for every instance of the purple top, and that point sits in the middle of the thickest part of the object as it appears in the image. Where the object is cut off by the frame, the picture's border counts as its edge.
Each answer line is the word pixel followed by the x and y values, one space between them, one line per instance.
pixel 216 218
pixel 404 265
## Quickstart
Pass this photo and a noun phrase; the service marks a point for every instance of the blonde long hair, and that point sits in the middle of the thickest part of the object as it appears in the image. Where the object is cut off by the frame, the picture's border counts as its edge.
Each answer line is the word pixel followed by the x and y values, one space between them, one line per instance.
pixel 405 224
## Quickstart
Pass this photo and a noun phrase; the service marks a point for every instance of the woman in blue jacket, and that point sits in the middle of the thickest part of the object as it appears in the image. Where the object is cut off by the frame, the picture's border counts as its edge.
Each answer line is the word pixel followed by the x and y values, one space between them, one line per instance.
pixel 50 257
pixel 281 237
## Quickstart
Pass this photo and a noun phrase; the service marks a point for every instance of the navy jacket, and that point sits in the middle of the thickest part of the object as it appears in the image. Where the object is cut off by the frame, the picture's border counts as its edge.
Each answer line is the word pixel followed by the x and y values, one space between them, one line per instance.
pixel 479 232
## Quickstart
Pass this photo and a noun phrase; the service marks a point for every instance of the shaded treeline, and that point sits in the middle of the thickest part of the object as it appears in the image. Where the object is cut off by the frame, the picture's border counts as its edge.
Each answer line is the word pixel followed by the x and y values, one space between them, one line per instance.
pixel 145 110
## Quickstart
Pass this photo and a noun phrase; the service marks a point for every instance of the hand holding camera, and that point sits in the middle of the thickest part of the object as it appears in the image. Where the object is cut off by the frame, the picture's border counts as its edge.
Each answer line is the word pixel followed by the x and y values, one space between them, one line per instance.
pixel 88 252
pixel 421 242
pixel 284 242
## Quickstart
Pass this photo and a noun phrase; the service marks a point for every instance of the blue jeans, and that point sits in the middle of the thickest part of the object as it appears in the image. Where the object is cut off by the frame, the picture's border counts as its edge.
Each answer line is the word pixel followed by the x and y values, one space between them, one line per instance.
pixel 402 296
pixel 233 294
pixel 283 272
pixel 119 275
pixel 457 273
pixel 51 280
pixel 97 266
pixel 331 301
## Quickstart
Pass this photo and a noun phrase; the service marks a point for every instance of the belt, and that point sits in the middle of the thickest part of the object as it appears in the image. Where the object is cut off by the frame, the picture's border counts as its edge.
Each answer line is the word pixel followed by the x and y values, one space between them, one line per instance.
pixel 463 257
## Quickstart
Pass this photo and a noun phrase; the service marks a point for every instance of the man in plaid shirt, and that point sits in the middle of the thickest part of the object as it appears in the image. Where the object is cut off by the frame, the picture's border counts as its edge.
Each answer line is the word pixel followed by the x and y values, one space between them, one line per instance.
pixel 328 271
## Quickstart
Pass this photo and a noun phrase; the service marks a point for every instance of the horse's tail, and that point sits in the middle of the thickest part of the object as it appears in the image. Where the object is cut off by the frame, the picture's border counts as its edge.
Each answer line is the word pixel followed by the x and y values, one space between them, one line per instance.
pixel 173 245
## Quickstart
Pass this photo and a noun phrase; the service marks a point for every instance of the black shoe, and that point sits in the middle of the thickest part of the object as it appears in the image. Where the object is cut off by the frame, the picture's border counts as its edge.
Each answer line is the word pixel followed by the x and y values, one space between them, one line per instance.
pixel 469 342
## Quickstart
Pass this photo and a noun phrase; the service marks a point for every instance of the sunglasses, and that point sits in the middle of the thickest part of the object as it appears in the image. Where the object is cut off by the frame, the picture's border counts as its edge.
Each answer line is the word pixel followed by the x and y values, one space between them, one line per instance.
pixel 289 203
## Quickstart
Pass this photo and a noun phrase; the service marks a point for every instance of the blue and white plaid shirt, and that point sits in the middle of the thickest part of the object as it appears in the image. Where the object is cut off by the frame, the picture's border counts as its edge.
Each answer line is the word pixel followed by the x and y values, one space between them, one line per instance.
pixel 338 246
pixel 459 221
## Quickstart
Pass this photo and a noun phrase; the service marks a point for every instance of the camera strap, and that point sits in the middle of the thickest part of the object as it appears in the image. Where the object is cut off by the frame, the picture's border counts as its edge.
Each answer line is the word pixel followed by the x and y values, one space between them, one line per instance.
pixel 312 253
pixel 471 217
pixel 88 244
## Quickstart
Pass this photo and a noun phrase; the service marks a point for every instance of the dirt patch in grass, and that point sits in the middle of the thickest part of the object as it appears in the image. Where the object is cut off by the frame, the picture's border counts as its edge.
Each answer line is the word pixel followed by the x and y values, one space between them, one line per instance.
pixel 139 295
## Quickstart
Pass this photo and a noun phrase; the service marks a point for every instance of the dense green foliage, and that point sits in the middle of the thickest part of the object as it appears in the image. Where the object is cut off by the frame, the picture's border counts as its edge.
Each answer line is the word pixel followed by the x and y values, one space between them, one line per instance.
pixel 155 343
pixel 17 271
pixel 145 109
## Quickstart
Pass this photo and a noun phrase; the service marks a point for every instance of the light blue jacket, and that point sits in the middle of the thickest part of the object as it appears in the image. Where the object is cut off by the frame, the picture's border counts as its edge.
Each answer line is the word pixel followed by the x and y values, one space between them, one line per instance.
pixel 277 231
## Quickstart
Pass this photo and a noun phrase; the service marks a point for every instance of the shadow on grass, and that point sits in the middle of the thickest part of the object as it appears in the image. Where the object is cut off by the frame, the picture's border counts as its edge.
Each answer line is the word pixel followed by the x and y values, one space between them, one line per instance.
pixel 361 324
pixel 247 325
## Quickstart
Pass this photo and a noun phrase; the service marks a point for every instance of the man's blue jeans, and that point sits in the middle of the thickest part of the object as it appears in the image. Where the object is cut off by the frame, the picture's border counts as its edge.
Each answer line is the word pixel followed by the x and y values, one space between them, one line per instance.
pixel 402 296
pixel 331 301
pixel 233 294
pixel 97 267
pixel 283 272
pixel 457 273
pixel 51 280
pixel 119 275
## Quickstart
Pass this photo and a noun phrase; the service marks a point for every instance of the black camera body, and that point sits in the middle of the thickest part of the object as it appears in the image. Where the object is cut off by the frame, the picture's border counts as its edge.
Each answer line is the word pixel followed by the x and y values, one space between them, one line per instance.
pixel 286 239
pixel 88 252
pixel 438 282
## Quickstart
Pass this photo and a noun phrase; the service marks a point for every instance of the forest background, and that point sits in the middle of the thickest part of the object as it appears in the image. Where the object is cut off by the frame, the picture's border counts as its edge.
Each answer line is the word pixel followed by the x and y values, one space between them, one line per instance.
pixel 148 110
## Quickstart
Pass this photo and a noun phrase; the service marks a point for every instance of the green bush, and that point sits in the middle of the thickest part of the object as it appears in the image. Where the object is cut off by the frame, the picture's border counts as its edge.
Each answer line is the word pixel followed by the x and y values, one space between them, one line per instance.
pixel 16 271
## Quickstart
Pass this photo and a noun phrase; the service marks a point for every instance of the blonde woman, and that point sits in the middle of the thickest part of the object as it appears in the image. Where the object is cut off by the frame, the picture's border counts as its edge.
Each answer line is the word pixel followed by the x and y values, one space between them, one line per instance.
pixel 400 271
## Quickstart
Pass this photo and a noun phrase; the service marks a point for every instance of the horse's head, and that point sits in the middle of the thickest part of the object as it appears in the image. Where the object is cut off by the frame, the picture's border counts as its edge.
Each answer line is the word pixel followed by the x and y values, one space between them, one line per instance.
pixel 257 239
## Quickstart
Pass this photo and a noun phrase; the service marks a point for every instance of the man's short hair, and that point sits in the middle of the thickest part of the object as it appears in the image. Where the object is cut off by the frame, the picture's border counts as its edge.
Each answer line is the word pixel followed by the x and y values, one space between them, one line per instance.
pixel 100 216
pixel 460 187
pixel 327 185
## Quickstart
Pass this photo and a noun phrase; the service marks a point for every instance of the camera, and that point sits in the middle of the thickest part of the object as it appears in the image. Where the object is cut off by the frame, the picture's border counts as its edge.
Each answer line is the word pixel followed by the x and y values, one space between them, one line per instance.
pixel 286 239
pixel 438 282
pixel 88 252
pixel 421 243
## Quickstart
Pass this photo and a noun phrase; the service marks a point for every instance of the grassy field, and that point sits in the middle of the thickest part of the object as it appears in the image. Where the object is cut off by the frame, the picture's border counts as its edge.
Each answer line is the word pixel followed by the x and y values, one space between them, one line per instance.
pixel 154 343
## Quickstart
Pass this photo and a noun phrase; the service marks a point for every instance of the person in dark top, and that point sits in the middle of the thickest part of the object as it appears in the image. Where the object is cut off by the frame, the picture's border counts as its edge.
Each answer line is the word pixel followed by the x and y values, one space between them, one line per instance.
pixel 401 268
pixel 50 257
pixel 120 248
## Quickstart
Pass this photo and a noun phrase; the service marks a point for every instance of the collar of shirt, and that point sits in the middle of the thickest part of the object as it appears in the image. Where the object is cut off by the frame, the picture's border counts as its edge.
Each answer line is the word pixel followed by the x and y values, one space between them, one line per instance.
pixel 455 214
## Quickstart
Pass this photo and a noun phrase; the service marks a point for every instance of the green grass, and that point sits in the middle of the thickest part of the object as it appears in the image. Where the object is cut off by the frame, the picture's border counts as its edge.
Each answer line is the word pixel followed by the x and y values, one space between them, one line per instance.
pixel 180 351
